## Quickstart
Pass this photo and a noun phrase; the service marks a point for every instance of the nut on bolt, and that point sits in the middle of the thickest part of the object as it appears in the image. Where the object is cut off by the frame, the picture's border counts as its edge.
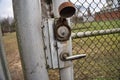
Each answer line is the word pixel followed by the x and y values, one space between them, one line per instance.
pixel 62 30
pixel 63 56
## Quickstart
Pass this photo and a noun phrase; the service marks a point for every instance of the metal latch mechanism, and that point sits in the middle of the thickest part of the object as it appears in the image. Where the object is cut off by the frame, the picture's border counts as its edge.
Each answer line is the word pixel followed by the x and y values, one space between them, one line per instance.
pixel 66 57
pixel 57 39
pixel 62 30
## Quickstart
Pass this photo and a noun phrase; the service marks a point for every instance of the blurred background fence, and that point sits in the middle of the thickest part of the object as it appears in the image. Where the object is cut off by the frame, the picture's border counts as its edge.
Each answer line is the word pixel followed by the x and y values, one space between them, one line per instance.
pixel 103 51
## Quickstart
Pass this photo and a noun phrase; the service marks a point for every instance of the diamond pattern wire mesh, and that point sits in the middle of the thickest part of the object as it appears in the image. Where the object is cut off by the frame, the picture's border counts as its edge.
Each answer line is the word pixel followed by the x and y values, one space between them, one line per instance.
pixel 103 52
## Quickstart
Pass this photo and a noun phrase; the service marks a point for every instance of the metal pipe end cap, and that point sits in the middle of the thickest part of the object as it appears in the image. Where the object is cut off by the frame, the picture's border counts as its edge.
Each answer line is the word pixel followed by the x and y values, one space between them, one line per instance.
pixel 66 10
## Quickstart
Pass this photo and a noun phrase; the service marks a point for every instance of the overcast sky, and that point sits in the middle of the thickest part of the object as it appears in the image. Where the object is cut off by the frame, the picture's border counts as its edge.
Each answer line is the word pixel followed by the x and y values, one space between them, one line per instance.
pixel 6 9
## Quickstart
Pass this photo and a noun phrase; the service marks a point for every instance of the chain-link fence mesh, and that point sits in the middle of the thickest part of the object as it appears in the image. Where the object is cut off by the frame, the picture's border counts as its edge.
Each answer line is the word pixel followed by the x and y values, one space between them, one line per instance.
pixel 103 52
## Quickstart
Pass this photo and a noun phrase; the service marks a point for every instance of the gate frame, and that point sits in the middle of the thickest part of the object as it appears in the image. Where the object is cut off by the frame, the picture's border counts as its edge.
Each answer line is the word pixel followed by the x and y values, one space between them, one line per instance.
pixel 29 36
pixel 65 73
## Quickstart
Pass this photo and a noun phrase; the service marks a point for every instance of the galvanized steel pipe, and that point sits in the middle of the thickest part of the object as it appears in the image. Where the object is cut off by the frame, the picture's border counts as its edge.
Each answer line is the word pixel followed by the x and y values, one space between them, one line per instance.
pixel 94 33
pixel 65 73
pixel 29 36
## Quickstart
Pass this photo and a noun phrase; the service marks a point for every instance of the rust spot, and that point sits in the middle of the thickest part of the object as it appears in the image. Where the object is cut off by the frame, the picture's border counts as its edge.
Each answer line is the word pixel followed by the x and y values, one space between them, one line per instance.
pixel 66 9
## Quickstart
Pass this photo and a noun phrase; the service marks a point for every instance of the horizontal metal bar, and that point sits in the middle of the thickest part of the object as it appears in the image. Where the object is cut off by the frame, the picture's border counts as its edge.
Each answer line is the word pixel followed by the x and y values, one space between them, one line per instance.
pixel 95 33
pixel 75 57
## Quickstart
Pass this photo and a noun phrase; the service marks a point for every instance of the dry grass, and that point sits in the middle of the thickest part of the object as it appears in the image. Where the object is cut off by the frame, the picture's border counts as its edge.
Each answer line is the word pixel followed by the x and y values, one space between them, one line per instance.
pixel 102 62
pixel 13 57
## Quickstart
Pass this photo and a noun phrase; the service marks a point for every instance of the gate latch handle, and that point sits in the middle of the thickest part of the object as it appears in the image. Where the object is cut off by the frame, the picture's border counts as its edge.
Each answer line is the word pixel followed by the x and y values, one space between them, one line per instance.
pixel 66 57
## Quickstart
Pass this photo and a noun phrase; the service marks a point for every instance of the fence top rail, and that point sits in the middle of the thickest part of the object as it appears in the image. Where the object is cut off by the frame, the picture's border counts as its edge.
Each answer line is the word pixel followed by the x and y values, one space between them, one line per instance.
pixel 94 33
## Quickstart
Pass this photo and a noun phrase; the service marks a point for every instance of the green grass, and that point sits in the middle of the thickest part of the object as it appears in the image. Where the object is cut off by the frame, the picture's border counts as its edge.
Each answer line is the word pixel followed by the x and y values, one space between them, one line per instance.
pixel 101 63
pixel 90 26
pixel 103 56
pixel 103 53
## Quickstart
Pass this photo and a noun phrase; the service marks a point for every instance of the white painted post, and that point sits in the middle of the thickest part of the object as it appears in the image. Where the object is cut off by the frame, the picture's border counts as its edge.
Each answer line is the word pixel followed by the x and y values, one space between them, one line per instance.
pixel 4 72
pixel 65 73
pixel 29 34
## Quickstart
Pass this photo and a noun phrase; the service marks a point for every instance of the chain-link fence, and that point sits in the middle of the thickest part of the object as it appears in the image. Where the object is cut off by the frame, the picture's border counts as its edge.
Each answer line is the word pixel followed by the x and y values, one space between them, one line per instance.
pixel 96 32
pixel 103 51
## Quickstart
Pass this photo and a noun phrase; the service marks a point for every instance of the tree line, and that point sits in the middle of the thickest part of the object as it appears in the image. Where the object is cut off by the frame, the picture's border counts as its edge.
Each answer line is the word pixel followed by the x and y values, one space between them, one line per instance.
pixel 7 26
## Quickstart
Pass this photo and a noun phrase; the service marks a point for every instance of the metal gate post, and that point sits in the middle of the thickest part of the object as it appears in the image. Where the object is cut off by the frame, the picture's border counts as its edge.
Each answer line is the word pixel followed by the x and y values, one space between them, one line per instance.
pixel 29 36
pixel 4 72
pixel 67 72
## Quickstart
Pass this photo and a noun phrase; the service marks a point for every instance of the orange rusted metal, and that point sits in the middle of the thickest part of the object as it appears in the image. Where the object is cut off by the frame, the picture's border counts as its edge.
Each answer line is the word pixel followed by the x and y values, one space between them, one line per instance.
pixel 66 9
